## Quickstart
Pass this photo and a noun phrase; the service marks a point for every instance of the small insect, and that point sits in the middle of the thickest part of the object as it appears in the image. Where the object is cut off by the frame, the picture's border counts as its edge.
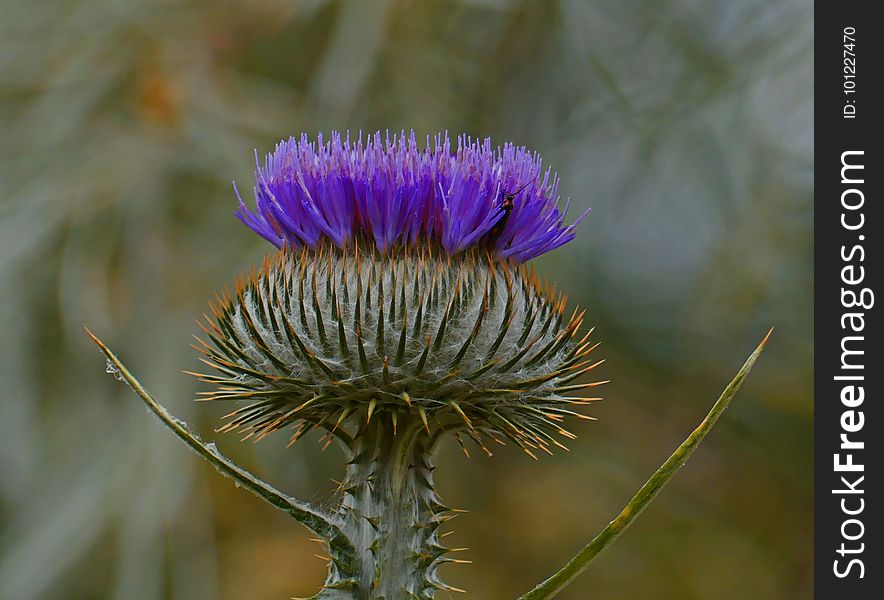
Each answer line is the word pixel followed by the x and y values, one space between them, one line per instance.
pixel 507 203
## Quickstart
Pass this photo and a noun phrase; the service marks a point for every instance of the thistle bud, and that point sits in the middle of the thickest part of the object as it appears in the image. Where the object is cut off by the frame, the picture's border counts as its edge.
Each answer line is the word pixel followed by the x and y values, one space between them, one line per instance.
pixel 326 338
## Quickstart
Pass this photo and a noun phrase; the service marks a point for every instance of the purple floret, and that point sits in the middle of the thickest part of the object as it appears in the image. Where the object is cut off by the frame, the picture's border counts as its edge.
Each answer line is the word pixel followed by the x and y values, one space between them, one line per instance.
pixel 388 189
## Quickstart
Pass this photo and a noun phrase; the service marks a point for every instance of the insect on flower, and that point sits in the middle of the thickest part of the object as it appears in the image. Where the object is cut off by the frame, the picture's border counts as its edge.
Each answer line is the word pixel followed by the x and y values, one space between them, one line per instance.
pixel 507 203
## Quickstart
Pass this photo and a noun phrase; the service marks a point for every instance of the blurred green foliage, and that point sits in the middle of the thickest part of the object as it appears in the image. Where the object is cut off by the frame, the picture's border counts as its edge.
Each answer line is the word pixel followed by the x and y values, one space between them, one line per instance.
pixel 686 125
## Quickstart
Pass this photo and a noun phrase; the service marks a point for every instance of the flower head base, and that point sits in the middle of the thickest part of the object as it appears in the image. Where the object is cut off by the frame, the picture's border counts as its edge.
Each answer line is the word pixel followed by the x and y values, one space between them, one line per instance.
pixel 396 194
pixel 331 339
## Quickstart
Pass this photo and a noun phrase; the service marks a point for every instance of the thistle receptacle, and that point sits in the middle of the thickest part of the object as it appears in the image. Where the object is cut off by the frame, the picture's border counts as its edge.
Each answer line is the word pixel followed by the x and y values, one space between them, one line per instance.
pixel 321 338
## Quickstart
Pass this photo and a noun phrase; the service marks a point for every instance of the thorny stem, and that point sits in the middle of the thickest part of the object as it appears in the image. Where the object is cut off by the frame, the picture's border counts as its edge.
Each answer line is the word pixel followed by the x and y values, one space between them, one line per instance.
pixel 577 565
pixel 392 513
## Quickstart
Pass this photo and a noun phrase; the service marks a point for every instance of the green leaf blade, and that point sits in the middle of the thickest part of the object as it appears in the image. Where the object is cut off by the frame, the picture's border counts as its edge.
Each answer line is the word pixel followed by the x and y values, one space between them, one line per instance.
pixel 315 520
pixel 551 587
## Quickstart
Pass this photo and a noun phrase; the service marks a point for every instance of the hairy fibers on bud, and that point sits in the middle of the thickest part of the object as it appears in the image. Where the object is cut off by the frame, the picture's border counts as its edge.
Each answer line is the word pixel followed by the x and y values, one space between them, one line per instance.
pixel 331 339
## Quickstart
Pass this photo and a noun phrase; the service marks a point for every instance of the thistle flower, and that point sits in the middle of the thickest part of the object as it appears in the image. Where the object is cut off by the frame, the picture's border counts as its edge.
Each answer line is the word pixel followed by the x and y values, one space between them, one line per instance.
pixel 396 310
pixel 395 194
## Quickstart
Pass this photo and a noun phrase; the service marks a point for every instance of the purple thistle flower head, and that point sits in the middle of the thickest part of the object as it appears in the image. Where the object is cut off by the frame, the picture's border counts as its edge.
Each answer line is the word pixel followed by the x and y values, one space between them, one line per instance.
pixel 389 190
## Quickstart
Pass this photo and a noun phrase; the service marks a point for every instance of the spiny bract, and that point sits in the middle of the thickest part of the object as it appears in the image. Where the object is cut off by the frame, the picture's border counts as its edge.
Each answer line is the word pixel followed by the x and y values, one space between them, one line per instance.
pixel 326 338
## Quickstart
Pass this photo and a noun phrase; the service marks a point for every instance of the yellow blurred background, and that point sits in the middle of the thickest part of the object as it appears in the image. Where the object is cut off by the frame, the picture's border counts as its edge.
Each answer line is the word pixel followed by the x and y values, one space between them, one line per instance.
pixel 686 125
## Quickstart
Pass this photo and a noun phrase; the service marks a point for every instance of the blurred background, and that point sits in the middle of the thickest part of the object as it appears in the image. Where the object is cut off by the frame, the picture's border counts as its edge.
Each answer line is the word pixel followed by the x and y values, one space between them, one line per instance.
pixel 686 125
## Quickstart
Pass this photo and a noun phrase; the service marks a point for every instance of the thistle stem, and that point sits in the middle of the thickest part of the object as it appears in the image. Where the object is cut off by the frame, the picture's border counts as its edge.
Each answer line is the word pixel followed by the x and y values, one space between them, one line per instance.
pixel 392 513
pixel 577 565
